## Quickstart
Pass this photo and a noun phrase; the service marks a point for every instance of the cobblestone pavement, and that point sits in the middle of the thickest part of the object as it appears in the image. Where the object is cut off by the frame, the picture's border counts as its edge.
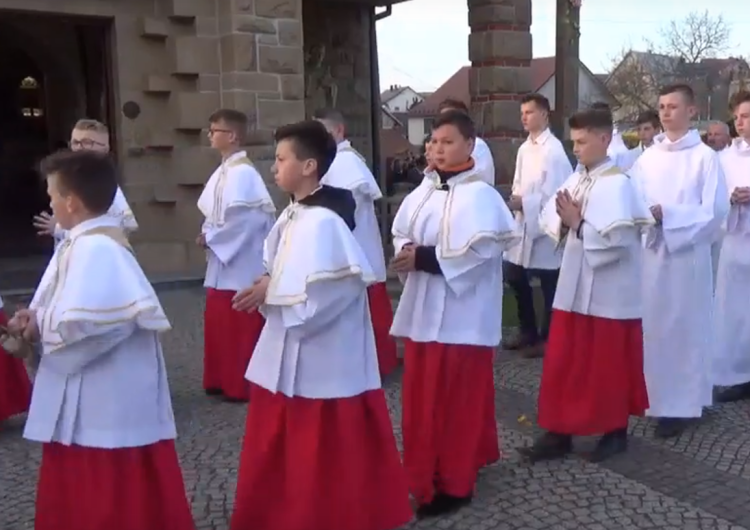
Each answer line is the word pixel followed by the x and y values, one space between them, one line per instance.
pixel 699 481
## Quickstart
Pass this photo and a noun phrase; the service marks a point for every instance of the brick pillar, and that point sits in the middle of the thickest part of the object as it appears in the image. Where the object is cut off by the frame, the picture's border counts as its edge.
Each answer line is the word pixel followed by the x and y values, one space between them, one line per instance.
pixel 500 55
pixel 262 71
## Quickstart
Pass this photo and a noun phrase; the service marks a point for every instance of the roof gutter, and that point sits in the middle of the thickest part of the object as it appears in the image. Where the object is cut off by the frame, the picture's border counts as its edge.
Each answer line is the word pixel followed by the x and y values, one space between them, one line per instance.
pixel 380 173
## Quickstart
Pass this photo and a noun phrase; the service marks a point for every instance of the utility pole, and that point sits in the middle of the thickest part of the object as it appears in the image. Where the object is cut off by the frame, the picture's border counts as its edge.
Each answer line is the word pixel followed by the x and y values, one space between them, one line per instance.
pixel 567 64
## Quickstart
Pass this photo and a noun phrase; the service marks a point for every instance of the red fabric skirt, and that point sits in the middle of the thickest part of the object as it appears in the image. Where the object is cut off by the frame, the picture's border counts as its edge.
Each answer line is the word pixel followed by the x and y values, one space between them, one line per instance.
pixel 229 340
pixel 381 312
pixel 15 385
pixel 592 380
pixel 319 464
pixel 449 426
pixel 138 488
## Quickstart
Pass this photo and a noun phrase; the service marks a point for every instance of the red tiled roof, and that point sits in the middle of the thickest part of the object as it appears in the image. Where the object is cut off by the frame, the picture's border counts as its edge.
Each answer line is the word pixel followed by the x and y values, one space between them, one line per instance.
pixel 542 69
pixel 393 143
pixel 456 87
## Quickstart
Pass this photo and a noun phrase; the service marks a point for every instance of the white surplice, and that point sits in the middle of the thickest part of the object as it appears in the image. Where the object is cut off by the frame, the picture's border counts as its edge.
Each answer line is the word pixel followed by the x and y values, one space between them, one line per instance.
pixel 684 178
pixel 601 272
pixel 470 227
pixel 120 210
pixel 239 213
pixel 101 380
pixel 731 316
pixel 541 168
pixel 484 163
pixel 318 340
pixel 349 171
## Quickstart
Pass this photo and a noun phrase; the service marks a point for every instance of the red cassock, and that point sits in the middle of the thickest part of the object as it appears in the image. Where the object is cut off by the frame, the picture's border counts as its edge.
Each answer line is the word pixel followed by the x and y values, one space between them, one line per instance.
pixel 381 312
pixel 319 464
pixel 449 425
pixel 229 340
pixel 15 386
pixel 137 488
pixel 592 380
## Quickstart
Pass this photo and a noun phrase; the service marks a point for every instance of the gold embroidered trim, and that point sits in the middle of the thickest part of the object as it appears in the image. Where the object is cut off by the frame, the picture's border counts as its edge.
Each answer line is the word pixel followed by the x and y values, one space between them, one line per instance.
pixel 61 274
pixel 279 262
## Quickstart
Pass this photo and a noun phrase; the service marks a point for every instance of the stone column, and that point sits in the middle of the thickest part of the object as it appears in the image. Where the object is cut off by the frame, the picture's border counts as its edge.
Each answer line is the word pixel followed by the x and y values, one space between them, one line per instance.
pixel 500 55
pixel 262 70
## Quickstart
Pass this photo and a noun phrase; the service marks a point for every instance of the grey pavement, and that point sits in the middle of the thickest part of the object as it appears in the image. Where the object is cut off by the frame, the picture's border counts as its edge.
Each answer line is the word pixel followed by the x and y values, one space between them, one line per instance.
pixel 698 481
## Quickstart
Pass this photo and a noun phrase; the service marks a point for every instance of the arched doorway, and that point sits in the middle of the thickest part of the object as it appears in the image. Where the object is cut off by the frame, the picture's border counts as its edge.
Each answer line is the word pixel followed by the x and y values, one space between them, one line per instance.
pixel 24 140
pixel 54 70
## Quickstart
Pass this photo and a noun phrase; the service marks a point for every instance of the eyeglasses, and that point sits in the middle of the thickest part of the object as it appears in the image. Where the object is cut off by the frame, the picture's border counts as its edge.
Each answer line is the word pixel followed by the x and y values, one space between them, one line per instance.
pixel 86 143
pixel 213 131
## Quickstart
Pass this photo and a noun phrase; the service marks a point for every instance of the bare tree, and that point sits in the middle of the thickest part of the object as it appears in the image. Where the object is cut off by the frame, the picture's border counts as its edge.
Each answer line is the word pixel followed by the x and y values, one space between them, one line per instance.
pixel 696 37
pixel 635 77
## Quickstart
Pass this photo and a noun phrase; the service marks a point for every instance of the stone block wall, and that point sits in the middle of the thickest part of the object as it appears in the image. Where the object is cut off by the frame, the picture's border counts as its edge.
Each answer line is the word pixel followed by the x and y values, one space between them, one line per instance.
pixel 337 65
pixel 500 55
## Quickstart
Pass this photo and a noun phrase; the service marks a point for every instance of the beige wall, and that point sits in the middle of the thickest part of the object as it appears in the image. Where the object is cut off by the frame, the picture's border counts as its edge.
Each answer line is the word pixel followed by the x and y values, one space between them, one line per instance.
pixel 180 60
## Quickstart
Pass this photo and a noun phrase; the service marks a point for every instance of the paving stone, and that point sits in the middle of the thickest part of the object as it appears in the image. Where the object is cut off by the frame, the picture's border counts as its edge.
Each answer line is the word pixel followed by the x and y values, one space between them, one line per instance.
pixel 695 483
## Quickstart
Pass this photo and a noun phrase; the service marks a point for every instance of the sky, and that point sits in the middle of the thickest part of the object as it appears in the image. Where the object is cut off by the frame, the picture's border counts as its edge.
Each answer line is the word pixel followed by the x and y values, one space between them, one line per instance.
pixel 425 41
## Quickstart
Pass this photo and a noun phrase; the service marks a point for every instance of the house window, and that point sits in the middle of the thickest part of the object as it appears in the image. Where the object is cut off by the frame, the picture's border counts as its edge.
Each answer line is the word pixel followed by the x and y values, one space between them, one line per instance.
pixel 428 123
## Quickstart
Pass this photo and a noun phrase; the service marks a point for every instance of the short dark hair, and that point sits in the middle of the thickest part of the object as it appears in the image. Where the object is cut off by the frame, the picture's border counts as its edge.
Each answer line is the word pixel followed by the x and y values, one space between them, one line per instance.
pixel 539 100
pixel 453 104
pixel 330 115
pixel 460 120
pixel 679 88
pixel 89 175
pixel 591 119
pixel 235 119
pixel 649 116
pixel 743 96
pixel 309 139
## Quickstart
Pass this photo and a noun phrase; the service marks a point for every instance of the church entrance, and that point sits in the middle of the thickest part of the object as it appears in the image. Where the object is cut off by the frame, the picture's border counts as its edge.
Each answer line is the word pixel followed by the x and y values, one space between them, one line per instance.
pixel 54 70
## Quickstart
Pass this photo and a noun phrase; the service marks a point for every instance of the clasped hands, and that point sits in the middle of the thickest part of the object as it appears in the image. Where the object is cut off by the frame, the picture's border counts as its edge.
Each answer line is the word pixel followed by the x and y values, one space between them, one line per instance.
pixel 740 195
pixel 568 209
pixel 404 260
pixel 253 297
pixel 24 325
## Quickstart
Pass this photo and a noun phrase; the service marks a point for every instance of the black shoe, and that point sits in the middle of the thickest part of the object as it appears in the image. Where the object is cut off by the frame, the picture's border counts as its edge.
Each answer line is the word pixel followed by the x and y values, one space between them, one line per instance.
pixel 520 341
pixel 734 393
pixel 442 505
pixel 611 444
pixel 550 446
pixel 670 427
pixel 214 391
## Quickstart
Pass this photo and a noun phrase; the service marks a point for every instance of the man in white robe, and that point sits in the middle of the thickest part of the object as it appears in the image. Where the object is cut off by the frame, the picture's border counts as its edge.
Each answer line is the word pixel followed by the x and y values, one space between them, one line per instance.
pixel 542 165
pixel 349 171
pixel 317 403
pixel 683 183
pixel 648 126
pixel 449 237
pixel 718 138
pixel 484 162
pixel 239 213
pixel 101 405
pixel 592 379
pixel 731 367
pixel 15 386
pixel 89 135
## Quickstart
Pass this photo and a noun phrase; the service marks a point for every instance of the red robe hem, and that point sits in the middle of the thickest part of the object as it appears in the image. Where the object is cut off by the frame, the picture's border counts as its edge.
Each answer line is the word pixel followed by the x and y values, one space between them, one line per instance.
pixel 448 422
pixel 229 340
pixel 592 378
pixel 15 385
pixel 319 464
pixel 381 312
pixel 84 488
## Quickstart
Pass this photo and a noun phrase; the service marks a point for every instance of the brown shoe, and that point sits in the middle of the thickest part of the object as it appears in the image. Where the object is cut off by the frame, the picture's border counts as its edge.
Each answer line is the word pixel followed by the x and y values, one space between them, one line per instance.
pixel 518 341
